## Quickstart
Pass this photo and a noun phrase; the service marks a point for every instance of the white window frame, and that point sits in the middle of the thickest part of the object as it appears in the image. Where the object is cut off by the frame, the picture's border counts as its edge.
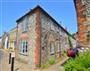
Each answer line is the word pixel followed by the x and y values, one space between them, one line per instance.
pixel 24 47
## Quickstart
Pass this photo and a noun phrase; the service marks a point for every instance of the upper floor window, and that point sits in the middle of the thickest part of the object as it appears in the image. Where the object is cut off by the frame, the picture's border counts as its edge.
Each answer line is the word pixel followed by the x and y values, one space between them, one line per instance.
pixel 83 2
pixel 25 24
pixel 88 12
pixel 52 26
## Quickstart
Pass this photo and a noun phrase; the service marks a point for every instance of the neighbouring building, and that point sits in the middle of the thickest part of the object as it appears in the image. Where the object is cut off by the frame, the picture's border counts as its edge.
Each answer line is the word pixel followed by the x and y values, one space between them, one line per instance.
pixel 5 40
pixel 83 21
pixel 12 38
pixel 40 38
pixel 0 42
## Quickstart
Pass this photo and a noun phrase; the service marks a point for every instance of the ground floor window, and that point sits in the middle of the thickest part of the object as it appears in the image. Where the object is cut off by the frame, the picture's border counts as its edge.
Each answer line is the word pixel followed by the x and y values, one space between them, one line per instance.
pixel 51 48
pixel 24 46
pixel 88 36
pixel 58 49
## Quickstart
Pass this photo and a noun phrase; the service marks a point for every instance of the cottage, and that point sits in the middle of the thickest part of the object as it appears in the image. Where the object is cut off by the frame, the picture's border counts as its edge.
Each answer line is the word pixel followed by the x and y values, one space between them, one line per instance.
pixel 40 38
pixel 12 39
pixel 5 40
pixel 0 42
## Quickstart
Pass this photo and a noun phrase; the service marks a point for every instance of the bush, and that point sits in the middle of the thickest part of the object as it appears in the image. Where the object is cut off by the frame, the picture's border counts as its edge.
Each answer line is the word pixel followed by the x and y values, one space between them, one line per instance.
pixel 80 63
pixel 51 62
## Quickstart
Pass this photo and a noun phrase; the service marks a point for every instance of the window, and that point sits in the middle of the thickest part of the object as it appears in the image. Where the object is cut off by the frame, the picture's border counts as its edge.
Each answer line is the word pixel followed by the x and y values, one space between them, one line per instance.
pixel 58 49
pixel 25 24
pixel 88 11
pixel 88 36
pixel 24 46
pixel 83 2
pixel 14 43
pixel 52 26
pixel 51 48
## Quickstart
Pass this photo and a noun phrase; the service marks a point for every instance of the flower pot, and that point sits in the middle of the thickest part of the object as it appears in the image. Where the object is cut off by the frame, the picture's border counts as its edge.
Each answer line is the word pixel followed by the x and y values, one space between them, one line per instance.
pixel 70 53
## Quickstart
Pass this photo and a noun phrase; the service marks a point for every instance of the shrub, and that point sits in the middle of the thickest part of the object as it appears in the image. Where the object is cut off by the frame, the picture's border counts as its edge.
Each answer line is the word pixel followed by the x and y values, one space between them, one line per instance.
pixel 51 62
pixel 80 63
pixel 70 43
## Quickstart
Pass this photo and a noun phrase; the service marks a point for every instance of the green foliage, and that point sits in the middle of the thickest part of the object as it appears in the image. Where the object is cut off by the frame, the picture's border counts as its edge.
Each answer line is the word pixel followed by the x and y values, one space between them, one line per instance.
pixel 70 43
pixel 64 53
pixel 51 61
pixel 80 63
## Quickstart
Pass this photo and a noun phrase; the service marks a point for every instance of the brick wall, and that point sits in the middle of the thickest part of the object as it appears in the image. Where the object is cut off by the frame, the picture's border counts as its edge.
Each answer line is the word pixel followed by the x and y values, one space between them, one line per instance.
pixel 81 20
pixel 38 39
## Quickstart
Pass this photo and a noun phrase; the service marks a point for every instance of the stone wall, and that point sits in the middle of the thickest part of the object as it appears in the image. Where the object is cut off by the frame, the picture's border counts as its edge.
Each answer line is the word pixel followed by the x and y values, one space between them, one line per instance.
pixel 46 39
pixel 52 35
pixel 30 36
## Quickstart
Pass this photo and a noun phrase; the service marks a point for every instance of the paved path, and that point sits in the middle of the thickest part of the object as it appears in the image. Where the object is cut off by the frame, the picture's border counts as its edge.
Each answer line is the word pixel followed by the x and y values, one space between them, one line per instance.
pixel 1 58
pixel 5 66
pixel 1 55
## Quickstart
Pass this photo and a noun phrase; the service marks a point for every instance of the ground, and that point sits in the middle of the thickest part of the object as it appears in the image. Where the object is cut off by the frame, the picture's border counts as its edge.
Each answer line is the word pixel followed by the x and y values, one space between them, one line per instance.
pixel 5 66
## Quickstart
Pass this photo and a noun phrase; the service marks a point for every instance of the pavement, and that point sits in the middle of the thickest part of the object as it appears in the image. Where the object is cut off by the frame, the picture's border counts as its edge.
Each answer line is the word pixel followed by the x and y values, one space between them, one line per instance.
pixel 1 58
pixel 1 55
pixel 4 66
pixel 18 66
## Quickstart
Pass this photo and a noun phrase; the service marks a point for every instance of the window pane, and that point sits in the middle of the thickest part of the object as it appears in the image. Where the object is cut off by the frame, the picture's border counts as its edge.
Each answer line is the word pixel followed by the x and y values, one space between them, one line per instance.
pixel 51 48
pixel 24 46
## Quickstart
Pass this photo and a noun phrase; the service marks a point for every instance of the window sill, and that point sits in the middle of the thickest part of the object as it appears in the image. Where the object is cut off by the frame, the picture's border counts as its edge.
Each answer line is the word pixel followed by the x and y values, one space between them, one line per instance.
pixel 24 32
pixel 25 54
pixel 51 53
pixel 58 51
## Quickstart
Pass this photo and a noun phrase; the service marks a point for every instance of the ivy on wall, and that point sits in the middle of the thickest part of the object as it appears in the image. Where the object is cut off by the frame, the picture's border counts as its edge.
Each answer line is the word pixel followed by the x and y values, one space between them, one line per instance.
pixel 70 43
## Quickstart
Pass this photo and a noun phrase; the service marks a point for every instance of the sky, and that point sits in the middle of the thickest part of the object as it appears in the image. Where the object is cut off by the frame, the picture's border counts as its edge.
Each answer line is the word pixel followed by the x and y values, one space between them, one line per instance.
pixel 63 11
